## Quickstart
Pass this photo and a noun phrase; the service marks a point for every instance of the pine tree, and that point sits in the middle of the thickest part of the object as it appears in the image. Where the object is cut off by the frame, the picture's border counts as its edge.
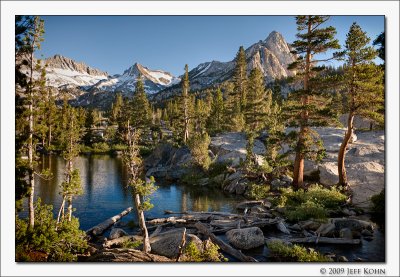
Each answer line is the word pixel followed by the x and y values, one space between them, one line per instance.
pixel 236 96
pixel 141 189
pixel 258 102
pixel 185 105
pixel 380 41
pixel 70 149
pixel 31 42
pixel 216 119
pixel 240 77
pixel 141 110
pixel 201 112
pixel 116 109
pixel 365 91
pixel 306 106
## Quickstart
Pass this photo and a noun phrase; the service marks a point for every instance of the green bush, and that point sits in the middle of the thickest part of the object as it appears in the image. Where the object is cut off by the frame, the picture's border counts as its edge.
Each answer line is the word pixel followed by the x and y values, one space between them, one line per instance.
pixel 378 207
pixel 216 169
pixel 131 244
pixel 100 147
pixel 257 191
pixel 118 147
pixel 85 149
pixel 61 245
pixel 306 210
pixel 209 253
pixel 295 253
pixel 329 198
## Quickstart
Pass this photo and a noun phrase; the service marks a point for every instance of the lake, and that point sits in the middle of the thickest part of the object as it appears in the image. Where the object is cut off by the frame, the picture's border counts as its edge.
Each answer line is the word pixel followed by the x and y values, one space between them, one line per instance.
pixel 105 192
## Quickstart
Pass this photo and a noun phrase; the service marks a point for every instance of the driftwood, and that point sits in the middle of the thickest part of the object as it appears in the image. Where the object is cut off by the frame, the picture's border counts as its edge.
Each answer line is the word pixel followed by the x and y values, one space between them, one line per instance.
pixel 100 228
pixel 325 240
pixel 182 245
pixel 156 231
pixel 224 247
pixel 126 255
pixel 120 240
pixel 172 220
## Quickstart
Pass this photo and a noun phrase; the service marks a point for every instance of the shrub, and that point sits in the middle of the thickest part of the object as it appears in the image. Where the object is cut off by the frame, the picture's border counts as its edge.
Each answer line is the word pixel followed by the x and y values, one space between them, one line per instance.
pixel 131 244
pixel 216 169
pixel 209 253
pixel 306 210
pixel 378 206
pixel 100 147
pixel 295 253
pixel 62 245
pixel 257 191
pixel 328 198
pixel 198 145
pixel 119 147
pixel 85 149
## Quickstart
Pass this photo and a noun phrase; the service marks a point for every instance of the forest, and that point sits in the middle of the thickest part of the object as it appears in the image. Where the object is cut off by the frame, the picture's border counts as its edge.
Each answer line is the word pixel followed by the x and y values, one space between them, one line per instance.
pixel 210 138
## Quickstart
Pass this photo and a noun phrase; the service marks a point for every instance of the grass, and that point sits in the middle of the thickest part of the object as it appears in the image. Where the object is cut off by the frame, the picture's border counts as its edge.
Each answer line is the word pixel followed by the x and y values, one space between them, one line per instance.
pixel 295 253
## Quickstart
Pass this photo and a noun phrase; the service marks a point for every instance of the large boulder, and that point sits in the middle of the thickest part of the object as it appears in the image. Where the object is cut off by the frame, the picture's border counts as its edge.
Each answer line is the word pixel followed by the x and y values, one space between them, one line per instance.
pixel 246 238
pixel 231 148
pixel 167 244
pixel 167 162
pixel 328 173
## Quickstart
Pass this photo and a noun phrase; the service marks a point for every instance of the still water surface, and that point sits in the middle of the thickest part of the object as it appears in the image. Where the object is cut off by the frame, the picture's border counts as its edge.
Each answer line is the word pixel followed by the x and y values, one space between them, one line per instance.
pixel 105 193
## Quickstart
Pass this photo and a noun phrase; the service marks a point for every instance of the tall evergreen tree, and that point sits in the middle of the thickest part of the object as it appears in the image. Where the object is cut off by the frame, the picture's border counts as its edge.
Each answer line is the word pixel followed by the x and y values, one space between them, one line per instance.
pixel 32 41
pixel 141 110
pixel 141 189
pixel 380 42
pixel 185 105
pixel 70 145
pixel 236 97
pixel 116 108
pixel 258 102
pixel 365 91
pixel 201 112
pixel 216 120
pixel 23 24
pixel 306 106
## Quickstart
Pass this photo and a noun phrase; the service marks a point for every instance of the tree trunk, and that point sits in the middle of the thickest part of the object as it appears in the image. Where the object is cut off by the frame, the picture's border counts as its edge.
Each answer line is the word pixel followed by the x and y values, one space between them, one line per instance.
pixel 30 149
pixel 342 152
pixel 100 228
pixel 61 209
pixel 69 208
pixel 298 171
pixel 142 224
pixel 49 138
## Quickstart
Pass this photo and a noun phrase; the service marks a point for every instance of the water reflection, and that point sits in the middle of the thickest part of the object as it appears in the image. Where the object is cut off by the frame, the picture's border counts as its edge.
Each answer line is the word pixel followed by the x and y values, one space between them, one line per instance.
pixel 105 191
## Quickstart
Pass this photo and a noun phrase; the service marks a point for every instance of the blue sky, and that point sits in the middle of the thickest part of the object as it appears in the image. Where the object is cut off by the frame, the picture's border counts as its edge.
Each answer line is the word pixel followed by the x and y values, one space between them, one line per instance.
pixel 114 43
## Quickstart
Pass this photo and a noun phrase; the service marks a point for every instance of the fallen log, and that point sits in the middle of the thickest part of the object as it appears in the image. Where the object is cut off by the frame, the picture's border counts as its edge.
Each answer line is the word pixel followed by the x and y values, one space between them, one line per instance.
pixel 325 240
pixel 126 255
pixel 224 247
pixel 121 240
pixel 171 219
pixel 100 228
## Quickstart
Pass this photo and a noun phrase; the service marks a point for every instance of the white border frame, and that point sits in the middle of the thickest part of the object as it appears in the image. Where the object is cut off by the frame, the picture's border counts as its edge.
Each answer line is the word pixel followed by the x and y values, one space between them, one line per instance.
pixel 9 9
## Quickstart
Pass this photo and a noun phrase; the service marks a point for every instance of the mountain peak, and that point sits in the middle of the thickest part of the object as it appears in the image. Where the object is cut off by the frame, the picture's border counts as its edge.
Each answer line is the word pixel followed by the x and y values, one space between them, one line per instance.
pixel 274 36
